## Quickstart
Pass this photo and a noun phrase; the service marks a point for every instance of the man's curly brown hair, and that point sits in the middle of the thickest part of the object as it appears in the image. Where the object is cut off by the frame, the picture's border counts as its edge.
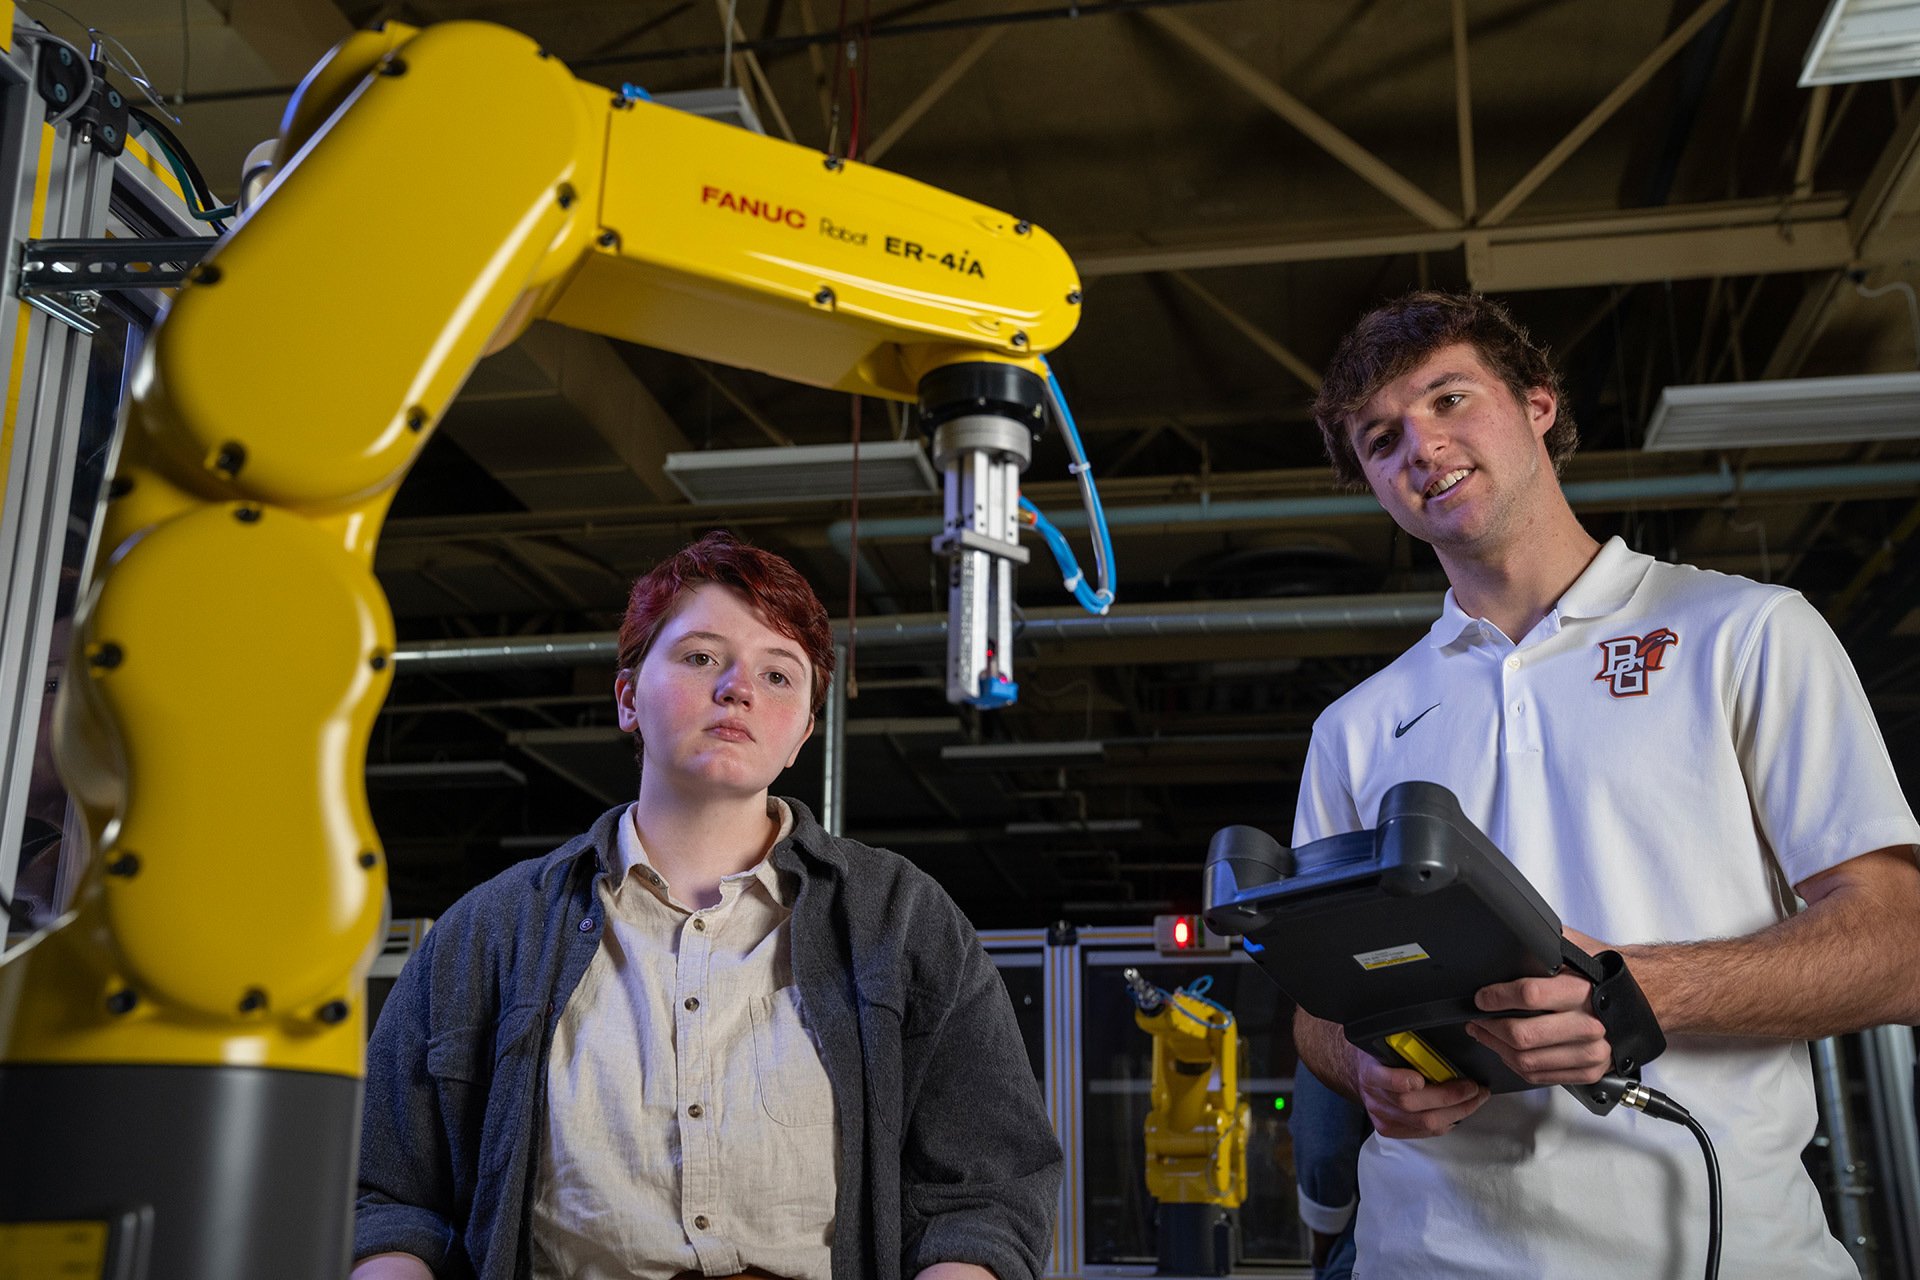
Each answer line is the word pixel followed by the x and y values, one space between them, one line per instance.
pixel 1390 342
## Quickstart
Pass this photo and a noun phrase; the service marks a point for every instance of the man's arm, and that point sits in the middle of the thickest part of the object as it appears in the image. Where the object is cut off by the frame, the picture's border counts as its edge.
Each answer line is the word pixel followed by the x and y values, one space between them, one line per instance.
pixel 1850 960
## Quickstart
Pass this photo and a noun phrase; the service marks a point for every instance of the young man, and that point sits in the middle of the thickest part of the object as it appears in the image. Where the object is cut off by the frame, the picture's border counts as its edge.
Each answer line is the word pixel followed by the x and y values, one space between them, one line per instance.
pixel 1663 752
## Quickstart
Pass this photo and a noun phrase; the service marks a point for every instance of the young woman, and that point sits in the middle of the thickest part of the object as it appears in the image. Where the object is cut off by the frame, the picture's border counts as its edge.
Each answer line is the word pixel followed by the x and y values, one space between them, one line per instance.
pixel 706 1037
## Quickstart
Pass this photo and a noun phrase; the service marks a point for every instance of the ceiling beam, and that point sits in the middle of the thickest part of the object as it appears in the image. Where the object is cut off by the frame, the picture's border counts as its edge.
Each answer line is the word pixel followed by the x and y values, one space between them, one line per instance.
pixel 288 35
pixel 1760 236
pixel 817 62
pixel 1883 224
pixel 1884 217
pixel 747 64
pixel 1577 137
pixel 1375 171
pixel 739 402
pixel 1252 332
pixel 936 89
pixel 1810 140
pixel 1562 263
pixel 1261 252
pixel 582 372
pixel 1463 113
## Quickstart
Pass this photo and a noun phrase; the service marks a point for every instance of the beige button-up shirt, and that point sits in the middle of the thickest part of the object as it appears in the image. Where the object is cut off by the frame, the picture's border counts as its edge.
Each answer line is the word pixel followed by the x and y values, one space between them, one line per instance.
pixel 690 1122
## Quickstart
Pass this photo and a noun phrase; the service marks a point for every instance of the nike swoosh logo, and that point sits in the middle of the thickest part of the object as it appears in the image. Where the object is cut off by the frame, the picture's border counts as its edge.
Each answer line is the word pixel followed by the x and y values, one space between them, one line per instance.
pixel 1399 729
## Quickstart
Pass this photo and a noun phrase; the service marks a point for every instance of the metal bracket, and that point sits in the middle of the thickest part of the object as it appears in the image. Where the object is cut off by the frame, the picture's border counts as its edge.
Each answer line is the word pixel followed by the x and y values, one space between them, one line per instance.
pixel 73 309
pixel 954 541
pixel 62 266
pixel 65 278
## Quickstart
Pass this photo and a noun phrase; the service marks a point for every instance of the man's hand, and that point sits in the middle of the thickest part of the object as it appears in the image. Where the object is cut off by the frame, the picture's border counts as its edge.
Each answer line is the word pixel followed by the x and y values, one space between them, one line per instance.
pixel 1562 1042
pixel 1405 1104
pixel 1400 1102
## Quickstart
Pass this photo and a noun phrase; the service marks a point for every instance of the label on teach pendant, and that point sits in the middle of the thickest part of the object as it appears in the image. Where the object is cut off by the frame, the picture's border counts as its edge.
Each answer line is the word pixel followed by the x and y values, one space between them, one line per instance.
pixel 1390 956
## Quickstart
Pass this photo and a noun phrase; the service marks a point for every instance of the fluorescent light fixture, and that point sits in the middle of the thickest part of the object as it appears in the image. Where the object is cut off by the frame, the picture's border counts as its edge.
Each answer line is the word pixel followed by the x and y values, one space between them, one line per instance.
pixel 728 106
pixel 817 472
pixel 1739 415
pixel 1864 40
pixel 1025 753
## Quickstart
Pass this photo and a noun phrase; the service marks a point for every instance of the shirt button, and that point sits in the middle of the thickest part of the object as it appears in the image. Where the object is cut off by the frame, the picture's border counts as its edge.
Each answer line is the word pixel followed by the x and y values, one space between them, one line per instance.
pixel 693 1002
pixel 699 925
pixel 586 926
pixel 1513 664
pixel 696 1111
pixel 700 1222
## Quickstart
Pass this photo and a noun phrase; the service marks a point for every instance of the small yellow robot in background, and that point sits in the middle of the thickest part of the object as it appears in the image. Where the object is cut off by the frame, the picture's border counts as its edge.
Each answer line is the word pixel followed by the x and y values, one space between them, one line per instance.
pixel 1196 1133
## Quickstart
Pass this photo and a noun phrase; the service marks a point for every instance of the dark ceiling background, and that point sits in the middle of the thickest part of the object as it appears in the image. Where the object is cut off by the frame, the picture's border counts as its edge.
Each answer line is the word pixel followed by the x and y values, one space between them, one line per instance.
pixel 1714 225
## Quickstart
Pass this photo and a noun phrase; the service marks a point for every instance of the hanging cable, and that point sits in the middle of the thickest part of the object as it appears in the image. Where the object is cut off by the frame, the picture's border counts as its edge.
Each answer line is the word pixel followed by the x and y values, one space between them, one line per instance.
pixel 1913 306
pixel 1096 599
pixel 130 68
pixel 42 36
pixel 193 183
pixel 1198 989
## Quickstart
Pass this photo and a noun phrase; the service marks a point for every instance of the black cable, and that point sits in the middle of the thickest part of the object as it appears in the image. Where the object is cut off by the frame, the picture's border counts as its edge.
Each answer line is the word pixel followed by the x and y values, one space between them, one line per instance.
pixel 1713 1196
pixel 151 123
pixel 1661 1107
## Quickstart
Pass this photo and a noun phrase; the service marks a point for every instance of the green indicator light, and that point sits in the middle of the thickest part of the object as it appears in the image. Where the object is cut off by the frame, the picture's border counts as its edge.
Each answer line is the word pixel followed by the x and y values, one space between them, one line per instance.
pixel 1279 1104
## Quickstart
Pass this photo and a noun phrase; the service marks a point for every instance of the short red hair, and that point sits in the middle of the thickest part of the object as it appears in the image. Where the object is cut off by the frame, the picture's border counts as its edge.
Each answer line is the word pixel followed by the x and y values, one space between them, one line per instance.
pixel 774 588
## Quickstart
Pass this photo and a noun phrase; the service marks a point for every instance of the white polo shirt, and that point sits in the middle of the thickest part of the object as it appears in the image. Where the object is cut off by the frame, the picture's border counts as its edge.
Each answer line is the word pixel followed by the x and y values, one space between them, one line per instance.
pixel 1663 756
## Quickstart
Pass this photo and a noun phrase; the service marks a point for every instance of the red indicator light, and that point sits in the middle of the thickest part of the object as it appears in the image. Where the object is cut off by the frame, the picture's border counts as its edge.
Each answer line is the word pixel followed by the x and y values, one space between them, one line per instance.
pixel 1182 933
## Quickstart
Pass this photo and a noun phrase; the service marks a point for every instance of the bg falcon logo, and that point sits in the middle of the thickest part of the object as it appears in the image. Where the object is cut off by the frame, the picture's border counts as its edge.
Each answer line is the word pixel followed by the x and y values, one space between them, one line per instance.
pixel 1625 662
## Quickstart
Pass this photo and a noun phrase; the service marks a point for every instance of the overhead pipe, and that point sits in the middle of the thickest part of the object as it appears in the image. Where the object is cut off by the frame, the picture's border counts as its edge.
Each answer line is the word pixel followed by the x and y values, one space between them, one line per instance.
pixel 577 649
pixel 1370 612
pixel 1625 491
pixel 928 631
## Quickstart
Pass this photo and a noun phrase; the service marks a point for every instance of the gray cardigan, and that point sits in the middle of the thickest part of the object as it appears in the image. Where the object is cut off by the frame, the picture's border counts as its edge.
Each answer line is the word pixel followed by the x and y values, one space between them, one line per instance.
pixel 945 1150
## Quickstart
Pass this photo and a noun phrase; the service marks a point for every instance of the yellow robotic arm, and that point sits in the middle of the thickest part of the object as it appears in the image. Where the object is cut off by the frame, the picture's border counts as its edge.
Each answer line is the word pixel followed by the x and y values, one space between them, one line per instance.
pixel 1196 1132
pixel 180 1055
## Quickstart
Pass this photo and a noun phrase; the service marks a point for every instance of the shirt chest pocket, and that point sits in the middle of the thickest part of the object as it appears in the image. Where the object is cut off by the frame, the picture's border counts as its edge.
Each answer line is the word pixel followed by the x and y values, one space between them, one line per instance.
pixel 791 1079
